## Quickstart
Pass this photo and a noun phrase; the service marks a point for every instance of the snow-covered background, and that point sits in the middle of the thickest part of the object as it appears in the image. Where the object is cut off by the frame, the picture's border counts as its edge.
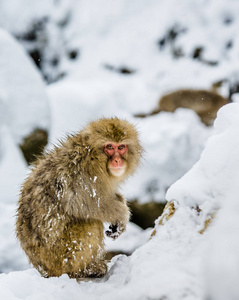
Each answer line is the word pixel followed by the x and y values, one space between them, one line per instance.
pixel 117 58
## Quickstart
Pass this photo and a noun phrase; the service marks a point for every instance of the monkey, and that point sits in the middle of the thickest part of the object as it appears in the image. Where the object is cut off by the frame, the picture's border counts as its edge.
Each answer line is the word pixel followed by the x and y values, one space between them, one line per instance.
pixel 33 145
pixel 71 192
pixel 205 103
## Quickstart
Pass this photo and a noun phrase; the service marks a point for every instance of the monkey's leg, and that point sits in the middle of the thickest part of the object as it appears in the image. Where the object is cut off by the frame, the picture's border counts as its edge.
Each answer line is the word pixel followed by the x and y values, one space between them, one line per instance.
pixel 39 251
pixel 84 250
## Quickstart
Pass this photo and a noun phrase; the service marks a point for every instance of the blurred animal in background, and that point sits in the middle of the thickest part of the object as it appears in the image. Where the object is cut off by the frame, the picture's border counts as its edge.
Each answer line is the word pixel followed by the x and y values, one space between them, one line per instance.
pixel 205 103
pixel 71 192
pixel 33 145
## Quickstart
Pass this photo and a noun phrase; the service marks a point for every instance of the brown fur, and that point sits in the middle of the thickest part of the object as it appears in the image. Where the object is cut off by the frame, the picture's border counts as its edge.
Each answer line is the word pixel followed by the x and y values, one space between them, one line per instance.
pixel 68 196
pixel 204 103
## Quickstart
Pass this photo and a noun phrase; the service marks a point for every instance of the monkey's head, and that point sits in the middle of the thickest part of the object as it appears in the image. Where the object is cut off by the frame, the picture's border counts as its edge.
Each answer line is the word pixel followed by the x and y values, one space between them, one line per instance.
pixel 116 145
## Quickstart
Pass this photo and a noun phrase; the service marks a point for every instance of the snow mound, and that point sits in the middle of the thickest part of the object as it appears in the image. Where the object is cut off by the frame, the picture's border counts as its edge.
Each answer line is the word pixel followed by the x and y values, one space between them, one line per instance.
pixel 23 100
pixel 221 269
pixel 208 184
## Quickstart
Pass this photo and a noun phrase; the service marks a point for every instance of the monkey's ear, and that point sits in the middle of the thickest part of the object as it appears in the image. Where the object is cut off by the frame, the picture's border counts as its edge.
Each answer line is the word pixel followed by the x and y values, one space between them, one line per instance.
pixel 86 137
pixel 85 133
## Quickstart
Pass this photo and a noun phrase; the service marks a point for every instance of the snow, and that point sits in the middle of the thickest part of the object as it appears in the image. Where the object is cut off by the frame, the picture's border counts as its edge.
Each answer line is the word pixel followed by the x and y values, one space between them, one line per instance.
pixel 23 107
pixel 212 184
pixel 198 164
pixel 12 172
pixel 223 246
pixel 130 240
pixel 23 99
pixel 216 167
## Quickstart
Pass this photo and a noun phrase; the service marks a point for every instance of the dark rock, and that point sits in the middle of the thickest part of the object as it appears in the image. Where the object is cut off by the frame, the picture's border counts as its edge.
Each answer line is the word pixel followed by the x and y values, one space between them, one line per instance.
pixel 145 214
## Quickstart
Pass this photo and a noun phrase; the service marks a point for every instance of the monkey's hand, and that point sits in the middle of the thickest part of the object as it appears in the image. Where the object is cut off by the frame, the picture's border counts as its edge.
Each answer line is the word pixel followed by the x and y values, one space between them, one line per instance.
pixel 115 230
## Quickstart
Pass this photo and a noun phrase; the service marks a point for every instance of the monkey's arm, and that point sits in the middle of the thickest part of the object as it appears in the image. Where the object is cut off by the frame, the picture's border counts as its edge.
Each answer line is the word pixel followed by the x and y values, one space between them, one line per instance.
pixel 111 209
pixel 116 228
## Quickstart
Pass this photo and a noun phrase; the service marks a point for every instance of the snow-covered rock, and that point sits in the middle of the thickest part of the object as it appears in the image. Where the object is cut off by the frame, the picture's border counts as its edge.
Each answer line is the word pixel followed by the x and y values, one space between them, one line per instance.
pixel 40 29
pixel 221 261
pixel 208 184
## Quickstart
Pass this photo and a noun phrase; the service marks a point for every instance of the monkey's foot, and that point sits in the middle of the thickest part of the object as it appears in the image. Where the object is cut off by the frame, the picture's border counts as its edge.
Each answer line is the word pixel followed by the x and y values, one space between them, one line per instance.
pixel 97 270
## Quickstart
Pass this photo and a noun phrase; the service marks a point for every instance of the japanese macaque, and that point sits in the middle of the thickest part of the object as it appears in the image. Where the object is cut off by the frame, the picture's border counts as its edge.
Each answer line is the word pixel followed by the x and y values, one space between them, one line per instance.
pixel 33 145
pixel 205 103
pixel 71 192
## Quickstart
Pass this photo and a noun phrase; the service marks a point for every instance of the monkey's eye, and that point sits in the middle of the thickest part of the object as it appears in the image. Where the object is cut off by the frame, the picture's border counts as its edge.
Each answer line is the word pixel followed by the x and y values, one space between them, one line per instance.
pixel 121 147
pixel 109 147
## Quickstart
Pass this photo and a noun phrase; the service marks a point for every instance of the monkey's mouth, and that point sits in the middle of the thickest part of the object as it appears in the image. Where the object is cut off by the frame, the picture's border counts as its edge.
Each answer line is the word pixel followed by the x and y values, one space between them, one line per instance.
pixel 117 171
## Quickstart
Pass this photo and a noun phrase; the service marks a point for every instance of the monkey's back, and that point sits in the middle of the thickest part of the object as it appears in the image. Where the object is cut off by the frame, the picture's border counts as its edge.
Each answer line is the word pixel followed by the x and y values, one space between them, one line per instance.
pixel 55 241
pixel 203 102
pixel 198 100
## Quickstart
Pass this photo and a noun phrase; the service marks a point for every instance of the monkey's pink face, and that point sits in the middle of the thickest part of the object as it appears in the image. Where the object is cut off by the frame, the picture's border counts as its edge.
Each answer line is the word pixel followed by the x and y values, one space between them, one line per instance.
pixel 116 154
